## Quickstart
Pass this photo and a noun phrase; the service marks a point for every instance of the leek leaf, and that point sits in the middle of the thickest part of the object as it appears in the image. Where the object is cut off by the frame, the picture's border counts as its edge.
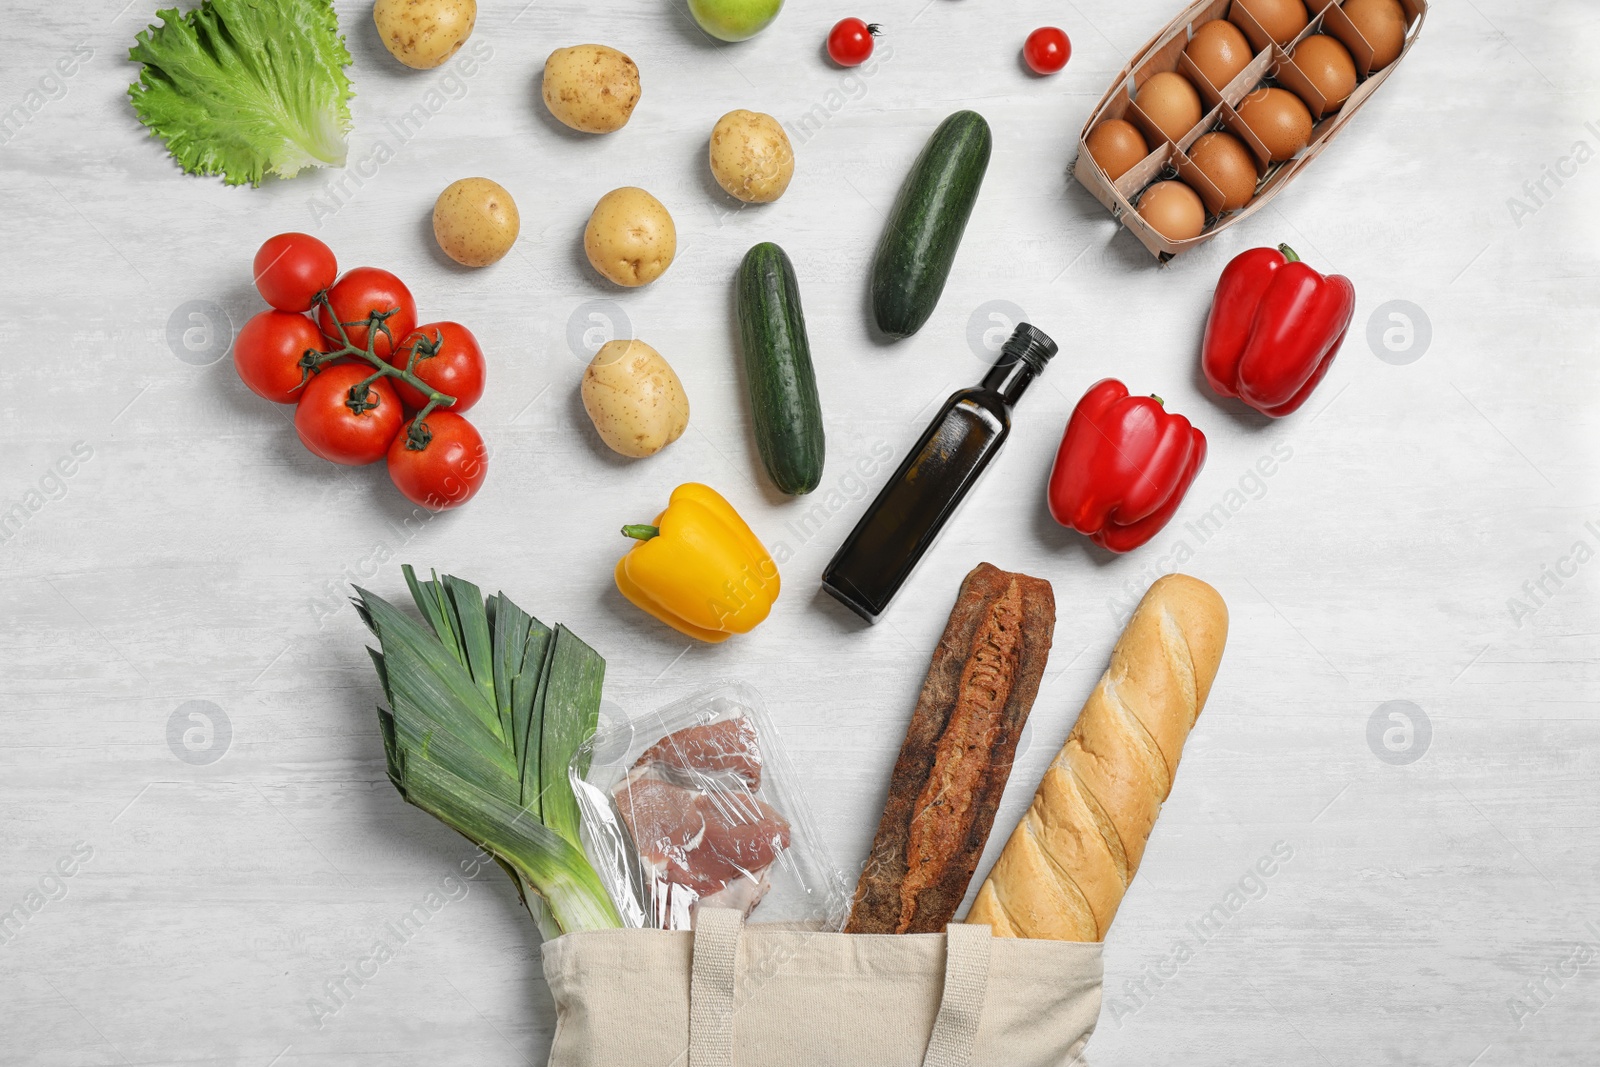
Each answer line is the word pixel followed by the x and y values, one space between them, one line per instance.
pixel 428 675
pixel 510 627
pixel 467 601
pixel 570 713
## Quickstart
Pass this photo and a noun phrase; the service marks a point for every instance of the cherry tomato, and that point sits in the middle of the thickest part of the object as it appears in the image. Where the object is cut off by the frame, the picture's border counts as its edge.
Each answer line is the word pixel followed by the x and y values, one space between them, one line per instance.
pixel 850 42
pixel 292 268
pixel 359 293
pixel 447 470
pixel 267 353
pixel 1047 50
pixel 332 429
pixel 455 366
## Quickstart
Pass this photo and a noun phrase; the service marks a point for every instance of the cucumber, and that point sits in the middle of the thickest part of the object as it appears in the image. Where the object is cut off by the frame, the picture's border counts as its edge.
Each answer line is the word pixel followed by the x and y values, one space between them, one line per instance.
pixel 924 229
pixel 777 364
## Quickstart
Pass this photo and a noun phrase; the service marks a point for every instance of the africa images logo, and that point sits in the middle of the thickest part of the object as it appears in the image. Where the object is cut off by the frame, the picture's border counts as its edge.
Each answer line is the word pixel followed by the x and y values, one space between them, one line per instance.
pixel 1399 732
pixel 199 732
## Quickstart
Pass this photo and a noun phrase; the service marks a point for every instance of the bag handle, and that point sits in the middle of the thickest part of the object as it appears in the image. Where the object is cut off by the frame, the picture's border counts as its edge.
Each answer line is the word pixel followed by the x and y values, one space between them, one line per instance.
pixel 711 984
pixel 966 978
pixel 714 974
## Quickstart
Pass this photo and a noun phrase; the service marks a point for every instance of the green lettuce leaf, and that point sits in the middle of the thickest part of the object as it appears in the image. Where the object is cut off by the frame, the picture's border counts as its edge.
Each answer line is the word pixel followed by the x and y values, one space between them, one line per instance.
pixel 246 88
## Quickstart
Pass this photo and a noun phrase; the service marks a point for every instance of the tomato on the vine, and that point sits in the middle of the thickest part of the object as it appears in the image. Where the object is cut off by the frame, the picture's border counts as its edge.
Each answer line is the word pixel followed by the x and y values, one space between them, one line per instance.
pixel 267 353
pixel 362 292
pixel 1046 50
pixel 448 359
pixel 448 468
pixel 351 407
pixel 850 41
pixel 292 268
pixel 345 429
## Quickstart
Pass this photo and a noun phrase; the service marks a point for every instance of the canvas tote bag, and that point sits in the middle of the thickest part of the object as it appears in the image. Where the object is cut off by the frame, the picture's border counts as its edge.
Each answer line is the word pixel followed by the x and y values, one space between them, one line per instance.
pixel 731 995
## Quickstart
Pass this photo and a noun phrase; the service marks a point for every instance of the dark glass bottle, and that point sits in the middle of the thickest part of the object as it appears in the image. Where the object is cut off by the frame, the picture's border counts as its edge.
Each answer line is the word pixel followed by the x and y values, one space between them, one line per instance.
pixel 905 519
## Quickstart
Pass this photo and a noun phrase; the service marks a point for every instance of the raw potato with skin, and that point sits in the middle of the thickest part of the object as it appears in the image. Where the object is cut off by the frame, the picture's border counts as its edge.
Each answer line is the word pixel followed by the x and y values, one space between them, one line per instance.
pixel 751 157
pixel 591 87
pixel 424 33
pixel 630 238
pixel 475 221
pixel 634 398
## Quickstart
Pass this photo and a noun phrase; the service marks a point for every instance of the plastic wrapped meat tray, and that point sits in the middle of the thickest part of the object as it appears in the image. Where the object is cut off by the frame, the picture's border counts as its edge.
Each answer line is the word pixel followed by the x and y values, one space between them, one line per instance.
pixel 695 805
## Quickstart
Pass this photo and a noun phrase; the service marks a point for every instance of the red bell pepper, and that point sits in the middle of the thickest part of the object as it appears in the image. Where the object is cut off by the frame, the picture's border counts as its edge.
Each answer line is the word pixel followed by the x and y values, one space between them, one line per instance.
pixel 1274 328
pixel 1123 466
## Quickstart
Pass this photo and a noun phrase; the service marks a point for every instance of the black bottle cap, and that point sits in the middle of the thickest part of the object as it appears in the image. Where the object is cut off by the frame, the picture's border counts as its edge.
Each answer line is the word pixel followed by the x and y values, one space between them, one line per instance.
pixel 1030 344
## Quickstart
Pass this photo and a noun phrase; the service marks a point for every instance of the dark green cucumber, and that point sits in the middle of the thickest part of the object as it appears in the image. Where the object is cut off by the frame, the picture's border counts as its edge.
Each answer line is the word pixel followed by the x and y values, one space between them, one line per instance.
pixel 924 230
pixel 777 364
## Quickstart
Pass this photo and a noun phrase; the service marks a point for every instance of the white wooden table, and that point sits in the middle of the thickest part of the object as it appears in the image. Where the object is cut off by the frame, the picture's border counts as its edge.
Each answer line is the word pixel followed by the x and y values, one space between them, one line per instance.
pixel 1441 861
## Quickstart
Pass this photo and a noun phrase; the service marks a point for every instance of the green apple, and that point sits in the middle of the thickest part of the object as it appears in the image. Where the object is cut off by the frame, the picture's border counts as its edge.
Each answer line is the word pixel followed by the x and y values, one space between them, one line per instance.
pixel 734 20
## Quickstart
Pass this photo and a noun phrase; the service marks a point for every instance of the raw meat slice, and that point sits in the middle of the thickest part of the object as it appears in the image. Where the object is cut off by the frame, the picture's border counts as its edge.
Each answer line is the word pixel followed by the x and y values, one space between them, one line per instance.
pixel 701 833
pixel 742 836
pixel 730 745
pixel 662 817
pixel 742 832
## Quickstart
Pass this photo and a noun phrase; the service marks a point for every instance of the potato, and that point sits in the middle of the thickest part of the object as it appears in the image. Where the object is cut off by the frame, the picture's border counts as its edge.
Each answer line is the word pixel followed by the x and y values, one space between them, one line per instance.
pixel 751 157
pixel 475 221
pixel 634 399
pixel 424 33
pixel 630 238
pixel 591 87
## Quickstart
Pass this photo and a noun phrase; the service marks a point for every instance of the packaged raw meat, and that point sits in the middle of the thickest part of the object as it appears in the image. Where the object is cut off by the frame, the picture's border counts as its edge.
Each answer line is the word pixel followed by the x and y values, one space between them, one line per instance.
pixel 694 804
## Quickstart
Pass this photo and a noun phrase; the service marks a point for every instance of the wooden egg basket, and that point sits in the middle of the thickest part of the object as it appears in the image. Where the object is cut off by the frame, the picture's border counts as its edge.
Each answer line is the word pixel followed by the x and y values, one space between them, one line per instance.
pixel 1271 65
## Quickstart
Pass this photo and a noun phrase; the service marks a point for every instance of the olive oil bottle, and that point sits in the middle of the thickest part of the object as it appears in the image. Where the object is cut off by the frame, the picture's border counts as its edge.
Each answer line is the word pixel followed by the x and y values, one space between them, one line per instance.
pixel 906 518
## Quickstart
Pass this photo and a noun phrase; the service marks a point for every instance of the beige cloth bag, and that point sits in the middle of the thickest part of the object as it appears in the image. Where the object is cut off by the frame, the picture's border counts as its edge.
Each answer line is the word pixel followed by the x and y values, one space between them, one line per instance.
pixel 730 995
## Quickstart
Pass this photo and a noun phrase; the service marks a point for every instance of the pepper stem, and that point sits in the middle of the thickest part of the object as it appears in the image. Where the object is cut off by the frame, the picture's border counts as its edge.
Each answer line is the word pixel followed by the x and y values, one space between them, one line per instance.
pixel 641 533
pixel 1289 254
pixel 1158 400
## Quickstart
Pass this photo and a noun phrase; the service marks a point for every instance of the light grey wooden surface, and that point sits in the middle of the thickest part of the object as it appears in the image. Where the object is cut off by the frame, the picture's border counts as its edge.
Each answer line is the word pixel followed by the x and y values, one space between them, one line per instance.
pixel 197 553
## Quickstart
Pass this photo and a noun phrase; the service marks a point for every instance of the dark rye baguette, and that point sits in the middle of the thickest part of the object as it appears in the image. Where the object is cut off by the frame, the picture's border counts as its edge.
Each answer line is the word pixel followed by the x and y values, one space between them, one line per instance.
pixel 957 754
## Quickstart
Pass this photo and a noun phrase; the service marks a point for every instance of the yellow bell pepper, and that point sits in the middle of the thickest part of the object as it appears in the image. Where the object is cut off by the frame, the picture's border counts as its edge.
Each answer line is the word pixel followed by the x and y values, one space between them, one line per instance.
pixel 699 569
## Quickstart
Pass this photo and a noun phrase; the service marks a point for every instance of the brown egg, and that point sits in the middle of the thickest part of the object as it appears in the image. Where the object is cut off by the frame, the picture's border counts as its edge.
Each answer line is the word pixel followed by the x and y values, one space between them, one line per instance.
pixel 1328 65
pixel 1383 24
pixel 1171 102
pixel 1278 117
pixel 1117 145
pixel 1226 160
pixel 1173 210
pixel 1220 50
pixel 1282 19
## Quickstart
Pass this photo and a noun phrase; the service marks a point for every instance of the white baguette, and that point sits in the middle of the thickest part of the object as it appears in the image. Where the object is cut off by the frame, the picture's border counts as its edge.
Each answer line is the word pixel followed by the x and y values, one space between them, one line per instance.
pixel 1067 865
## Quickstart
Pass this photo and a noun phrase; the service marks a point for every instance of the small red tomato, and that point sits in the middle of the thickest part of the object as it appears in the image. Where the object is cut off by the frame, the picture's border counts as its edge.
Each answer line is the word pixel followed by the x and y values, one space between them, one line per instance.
pixel 343 429
pixel 448 359
pixel 267 353
pixel 850 41
pixel 1047 50
pixel 440 465
pixel 292 268
pixel 361 293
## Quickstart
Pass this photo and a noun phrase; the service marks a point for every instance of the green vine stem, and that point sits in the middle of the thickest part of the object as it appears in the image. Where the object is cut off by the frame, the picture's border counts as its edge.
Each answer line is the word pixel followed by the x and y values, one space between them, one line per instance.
pixel 358 401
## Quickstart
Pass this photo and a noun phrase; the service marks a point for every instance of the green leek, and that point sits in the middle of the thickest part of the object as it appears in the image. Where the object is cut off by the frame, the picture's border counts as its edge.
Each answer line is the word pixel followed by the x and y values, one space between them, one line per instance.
pixel 487 707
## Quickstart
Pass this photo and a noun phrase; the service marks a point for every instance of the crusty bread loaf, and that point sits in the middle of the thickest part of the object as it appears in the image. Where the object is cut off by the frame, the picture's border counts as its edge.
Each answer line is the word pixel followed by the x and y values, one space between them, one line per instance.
pixel 1062 874
pixel 957 754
